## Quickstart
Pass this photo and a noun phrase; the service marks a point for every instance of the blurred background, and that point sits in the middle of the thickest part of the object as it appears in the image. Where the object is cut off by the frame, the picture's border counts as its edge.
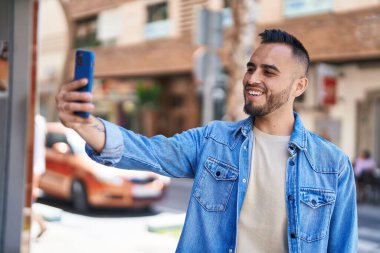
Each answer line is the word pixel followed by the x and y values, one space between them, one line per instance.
pixel 162 67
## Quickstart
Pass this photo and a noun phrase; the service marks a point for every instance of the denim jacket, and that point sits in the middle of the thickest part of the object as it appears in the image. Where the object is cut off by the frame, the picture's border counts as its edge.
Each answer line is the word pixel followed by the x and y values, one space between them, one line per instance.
pixel 320 190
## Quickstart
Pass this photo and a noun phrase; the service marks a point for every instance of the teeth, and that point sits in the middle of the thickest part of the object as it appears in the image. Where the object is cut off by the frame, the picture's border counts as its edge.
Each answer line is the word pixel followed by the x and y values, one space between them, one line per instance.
pixel 255 93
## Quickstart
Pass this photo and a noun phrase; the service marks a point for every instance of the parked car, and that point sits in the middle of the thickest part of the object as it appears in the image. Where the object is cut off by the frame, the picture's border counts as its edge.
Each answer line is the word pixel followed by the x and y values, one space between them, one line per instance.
pixel 71 175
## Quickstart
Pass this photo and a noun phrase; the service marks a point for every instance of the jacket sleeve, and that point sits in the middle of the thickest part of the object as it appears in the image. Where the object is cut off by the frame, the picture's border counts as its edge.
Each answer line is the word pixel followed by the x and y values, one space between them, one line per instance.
pixel 343 236
pixel 175 156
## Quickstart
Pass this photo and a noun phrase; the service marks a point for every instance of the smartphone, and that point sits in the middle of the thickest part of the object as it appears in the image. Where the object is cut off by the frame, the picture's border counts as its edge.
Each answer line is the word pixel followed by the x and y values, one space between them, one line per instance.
pixel 84 68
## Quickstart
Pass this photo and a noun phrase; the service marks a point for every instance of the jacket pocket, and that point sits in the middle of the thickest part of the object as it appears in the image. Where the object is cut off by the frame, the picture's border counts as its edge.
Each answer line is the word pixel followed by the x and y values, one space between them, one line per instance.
pixel 215 184
pixel 316 206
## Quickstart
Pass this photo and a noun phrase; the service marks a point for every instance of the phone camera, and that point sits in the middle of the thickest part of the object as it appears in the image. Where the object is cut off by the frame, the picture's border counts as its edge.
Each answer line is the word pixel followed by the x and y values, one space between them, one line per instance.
pixel 79 58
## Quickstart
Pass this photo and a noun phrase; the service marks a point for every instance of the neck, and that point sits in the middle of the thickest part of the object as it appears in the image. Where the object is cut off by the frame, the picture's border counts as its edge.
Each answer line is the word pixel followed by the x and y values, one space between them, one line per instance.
pixel 276 123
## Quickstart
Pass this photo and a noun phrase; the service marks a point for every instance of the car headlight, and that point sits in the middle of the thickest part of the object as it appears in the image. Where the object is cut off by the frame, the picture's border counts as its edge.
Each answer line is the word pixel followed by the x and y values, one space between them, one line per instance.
pixel 108 177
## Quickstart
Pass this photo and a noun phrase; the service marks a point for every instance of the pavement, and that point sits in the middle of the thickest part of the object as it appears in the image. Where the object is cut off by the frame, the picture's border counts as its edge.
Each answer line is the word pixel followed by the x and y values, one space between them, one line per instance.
pixel 76 233
pixel 369 229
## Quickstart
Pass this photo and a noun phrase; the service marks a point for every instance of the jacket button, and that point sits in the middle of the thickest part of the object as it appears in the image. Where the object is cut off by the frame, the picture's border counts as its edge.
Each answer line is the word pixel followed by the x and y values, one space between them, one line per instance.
pixel 230 251
pixel 217 173
pixel 290 197
pixel 293 235
pixel 291 163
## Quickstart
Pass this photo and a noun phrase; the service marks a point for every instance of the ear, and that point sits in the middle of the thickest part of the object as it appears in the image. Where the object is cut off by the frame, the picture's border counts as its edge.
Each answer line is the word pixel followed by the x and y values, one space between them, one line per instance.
pixel 300 86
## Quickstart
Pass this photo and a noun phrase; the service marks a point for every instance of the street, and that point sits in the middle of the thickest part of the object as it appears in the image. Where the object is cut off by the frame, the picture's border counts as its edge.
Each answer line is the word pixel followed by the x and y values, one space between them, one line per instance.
pixel 127 230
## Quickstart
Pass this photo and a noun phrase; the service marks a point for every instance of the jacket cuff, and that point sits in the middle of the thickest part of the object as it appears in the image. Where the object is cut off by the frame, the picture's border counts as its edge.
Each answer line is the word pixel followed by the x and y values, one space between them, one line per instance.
pixel 113 148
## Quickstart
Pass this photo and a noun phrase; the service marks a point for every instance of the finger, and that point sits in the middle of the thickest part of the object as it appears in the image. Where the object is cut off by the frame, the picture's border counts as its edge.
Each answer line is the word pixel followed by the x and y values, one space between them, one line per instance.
pixel 75 84
pixel 68 119
pixel 75 107
pixel 77 96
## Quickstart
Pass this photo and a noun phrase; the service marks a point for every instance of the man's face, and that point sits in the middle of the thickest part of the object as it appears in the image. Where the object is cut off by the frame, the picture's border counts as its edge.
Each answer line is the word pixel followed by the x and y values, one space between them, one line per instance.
pixel 268 82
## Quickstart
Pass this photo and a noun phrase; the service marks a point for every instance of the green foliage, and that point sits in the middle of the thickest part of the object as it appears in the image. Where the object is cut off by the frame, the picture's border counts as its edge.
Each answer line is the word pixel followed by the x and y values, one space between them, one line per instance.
pixel 173 231
pixel 148 96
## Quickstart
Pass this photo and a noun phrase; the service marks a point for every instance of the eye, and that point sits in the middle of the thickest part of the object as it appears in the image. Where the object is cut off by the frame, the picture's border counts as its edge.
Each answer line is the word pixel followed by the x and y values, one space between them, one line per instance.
pixel 250 70
pixel 268 73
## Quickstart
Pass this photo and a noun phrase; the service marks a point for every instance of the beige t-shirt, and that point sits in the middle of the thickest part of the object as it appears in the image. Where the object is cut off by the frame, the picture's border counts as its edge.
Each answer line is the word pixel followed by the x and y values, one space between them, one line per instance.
pixel 262 223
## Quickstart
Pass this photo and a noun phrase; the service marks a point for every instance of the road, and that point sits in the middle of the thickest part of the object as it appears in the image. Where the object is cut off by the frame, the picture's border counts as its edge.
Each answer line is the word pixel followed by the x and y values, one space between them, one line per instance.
pixel 126 230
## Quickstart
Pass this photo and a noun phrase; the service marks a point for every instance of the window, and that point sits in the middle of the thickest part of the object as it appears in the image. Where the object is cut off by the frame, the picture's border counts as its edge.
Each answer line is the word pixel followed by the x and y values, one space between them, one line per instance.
pixel 158 24
pixel 85 33
pixel 52 138
pixel 109 26
pixel 157 12
pixel 227 18
pixel 177 101
pixel 227 3
pixel 294 8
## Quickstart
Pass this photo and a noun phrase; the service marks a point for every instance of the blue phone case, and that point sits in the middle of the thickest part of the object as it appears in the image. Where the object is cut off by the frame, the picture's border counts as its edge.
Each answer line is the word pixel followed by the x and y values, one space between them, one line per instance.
pixel 84 68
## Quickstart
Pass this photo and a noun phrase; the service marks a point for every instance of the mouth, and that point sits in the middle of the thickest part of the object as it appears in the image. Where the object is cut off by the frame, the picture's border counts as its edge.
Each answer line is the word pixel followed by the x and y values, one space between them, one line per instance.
pixel 254 92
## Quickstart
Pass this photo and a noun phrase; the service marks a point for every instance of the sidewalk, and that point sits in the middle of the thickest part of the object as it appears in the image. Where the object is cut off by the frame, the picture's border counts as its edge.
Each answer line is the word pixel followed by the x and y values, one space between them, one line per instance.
pixel 81 234
pixel 369 210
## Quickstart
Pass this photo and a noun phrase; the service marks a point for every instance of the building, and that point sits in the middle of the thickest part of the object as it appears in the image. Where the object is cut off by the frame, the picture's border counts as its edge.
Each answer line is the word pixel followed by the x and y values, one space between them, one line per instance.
pixel 150 43
pixel 140 46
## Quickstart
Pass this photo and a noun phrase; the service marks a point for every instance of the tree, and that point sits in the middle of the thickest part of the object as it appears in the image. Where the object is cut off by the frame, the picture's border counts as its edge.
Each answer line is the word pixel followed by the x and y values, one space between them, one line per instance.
pixel 240 46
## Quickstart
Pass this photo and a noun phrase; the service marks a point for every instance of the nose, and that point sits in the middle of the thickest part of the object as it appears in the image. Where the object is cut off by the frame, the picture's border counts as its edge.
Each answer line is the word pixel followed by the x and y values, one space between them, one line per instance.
pixel 254 78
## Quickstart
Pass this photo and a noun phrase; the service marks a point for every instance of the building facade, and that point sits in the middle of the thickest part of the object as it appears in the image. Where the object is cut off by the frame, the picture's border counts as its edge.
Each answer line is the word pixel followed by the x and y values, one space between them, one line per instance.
pixel 141 46
pixel 144 44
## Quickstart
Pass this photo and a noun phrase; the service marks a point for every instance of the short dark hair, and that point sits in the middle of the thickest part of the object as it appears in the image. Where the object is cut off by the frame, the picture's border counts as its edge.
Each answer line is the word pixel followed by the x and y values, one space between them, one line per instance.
pixel 366 153
pixel 279 36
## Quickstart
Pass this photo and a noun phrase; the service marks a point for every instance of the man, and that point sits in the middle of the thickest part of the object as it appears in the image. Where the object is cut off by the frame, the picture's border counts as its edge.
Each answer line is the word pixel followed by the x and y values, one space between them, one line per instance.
pixel 264 184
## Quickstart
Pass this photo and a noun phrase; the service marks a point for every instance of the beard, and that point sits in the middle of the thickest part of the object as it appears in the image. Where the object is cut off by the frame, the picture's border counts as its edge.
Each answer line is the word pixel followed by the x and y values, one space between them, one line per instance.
pixel 274 101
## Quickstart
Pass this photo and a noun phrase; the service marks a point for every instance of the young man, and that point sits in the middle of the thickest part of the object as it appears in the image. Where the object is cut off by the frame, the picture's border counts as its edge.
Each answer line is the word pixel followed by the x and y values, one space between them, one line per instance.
pixel 264 184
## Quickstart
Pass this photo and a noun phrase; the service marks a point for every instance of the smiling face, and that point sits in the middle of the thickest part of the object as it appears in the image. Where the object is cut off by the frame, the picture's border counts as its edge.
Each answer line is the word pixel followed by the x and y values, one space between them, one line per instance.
pixel 274 78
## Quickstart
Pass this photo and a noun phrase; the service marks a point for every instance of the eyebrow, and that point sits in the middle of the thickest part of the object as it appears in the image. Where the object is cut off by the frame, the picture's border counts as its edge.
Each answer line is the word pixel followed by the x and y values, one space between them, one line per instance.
pixel 265 66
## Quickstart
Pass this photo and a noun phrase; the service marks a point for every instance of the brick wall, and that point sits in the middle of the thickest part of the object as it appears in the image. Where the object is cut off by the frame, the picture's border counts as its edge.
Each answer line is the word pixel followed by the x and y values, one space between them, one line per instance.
pixel 84 8
pixel 339 37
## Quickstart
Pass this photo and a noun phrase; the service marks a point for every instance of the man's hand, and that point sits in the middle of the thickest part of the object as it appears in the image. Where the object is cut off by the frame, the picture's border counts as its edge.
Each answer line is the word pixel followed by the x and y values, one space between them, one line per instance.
pixel 69 100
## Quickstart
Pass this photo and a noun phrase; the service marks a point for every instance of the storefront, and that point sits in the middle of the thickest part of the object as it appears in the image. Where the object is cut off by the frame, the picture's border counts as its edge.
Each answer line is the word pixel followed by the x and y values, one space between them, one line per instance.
pixel 164 104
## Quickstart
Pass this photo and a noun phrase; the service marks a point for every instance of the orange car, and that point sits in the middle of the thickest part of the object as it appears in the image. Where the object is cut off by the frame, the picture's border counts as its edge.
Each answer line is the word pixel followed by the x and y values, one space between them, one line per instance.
pixel 71 175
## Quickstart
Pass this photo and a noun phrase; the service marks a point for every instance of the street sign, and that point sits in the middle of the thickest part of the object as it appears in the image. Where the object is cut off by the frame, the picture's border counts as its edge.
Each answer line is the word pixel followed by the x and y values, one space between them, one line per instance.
pixel 209 28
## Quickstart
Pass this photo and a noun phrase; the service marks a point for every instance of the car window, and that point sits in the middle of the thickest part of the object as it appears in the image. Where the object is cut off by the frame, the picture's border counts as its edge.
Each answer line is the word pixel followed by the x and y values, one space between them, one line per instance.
pixel 75 142
pixel 52 138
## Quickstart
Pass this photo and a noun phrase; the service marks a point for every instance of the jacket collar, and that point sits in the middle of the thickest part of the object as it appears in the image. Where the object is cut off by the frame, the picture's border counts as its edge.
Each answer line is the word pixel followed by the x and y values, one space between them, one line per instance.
pixel 297 138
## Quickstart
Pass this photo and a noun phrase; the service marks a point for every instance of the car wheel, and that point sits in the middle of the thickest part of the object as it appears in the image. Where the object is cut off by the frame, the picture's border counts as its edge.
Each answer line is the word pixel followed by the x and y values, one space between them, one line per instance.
pixel 79 196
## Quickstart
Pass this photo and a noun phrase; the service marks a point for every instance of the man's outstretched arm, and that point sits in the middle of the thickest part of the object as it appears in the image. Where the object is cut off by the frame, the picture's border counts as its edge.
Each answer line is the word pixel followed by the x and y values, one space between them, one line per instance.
pixel 115 146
